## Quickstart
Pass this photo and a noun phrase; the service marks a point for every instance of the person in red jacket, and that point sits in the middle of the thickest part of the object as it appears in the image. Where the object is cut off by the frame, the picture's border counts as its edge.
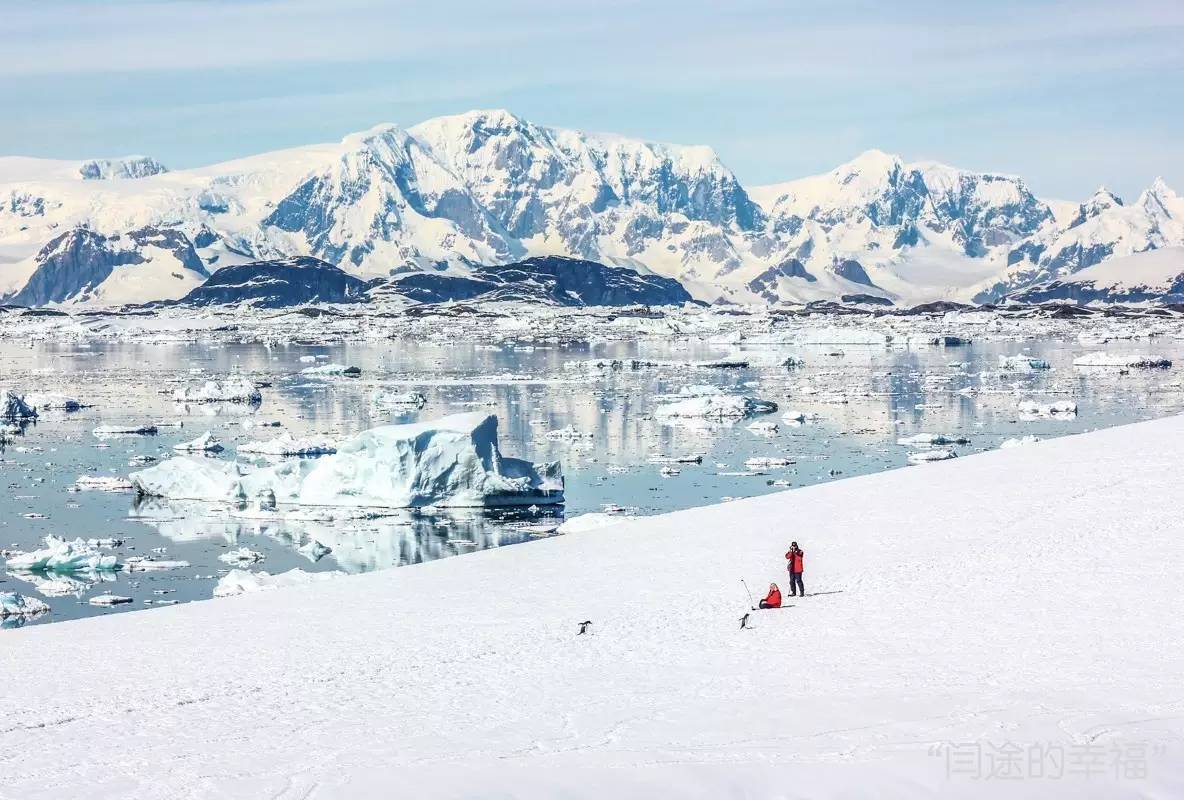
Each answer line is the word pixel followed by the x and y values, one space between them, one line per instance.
pixel 773 598
pixel 796 559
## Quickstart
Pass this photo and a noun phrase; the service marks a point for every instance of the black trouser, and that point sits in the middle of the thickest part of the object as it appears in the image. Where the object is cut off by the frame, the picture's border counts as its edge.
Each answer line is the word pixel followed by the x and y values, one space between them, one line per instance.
pixel 765 604
pixel 796 586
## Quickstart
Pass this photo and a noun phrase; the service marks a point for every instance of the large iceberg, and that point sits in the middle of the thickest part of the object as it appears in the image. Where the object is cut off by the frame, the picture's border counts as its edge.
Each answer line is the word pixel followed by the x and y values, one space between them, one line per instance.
pixel 452 461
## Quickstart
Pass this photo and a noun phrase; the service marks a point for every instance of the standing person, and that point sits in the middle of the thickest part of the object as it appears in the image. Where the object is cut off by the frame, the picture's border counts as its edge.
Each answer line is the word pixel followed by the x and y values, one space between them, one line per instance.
pixel 773 598
pixel 796 565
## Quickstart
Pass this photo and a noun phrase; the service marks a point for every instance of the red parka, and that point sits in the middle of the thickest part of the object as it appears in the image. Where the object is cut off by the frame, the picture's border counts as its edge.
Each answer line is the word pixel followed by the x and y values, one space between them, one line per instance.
pixel 796 560
pixel 773 598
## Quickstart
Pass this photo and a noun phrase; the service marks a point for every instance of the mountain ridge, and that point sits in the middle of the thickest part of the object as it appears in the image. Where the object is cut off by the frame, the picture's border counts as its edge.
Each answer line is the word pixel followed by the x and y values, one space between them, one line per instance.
pixel 484 188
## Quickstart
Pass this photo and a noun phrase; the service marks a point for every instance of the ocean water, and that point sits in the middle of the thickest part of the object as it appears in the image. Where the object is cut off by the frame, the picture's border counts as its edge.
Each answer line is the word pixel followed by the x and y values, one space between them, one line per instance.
pixel 859 400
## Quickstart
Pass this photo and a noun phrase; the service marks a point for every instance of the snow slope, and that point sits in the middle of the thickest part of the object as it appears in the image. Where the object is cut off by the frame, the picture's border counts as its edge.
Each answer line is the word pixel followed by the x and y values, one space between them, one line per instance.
pixel 490 188
pixel 1029 595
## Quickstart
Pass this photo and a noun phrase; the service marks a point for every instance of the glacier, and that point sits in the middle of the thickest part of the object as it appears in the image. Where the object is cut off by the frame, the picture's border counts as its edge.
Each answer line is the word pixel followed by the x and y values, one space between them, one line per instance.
pixel 449 462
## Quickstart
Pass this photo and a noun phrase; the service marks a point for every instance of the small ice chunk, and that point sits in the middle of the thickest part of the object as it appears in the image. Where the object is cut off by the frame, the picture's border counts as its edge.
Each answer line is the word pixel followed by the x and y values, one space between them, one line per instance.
pixel 241 556
pixel 931 440
pixel 103 483
pixel 54 402
pixel 332 369
pixel 206 443
pixel 110 431
pixel 1116 360
pixel 716 406
pixel 399 399
pixel 108 600
pixel 1030 409
pixel 1021 442
pixel 1022 363
pixel 314 550
pixel 926 456
pixel 765 462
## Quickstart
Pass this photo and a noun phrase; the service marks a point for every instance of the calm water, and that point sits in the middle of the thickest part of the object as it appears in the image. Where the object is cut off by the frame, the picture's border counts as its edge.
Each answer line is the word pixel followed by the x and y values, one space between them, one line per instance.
pixel 865 398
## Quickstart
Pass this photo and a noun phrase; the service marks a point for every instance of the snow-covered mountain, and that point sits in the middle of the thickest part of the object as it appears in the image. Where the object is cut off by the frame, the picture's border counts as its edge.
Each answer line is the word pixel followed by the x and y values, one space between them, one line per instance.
pixel 488 188
pixel 1150 275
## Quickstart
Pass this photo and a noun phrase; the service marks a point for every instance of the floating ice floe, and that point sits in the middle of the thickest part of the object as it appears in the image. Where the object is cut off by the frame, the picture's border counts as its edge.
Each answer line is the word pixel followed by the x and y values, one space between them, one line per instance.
pixel 1030 409
pixel 206 443
pixel 716 406
pixel 288 445
pixel 1115 360
pixel 18 605
pixel 763 428
pixel 231 390
pixel 766 462
pixel 926 456
pixel 695 459
pixel 399 399
pixel 452 461
pixel 107 600
pixel 103 483
pixel 1020 442
pixel 332 369
pixel 796 417
pixel 112 431
pixel 669 471
pixel 63 556
pixel 13 407
pixel 241 556
pixel 931 440
pixel 239 581
pixel 314 550
pixel 1022 363
pixel 144 564
pixel 54 402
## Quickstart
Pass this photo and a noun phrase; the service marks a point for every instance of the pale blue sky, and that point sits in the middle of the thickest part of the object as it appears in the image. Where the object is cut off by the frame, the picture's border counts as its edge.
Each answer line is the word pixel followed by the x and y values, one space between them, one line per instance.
pixel 1067 94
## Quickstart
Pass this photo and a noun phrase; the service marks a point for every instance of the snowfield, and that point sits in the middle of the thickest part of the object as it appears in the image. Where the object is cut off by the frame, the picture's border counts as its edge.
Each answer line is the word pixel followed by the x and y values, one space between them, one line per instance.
pixel 1022 601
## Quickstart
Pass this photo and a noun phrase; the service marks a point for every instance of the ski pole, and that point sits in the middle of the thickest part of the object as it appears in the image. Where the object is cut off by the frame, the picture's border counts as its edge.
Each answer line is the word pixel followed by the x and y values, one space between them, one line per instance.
pixel 750 603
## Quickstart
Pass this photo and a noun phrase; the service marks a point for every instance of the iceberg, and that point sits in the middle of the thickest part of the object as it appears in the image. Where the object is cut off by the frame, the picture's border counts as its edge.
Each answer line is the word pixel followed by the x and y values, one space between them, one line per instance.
pixel 241 556
pixel 13 407
pixel 62 556
pixel 239 581
pixel 231 390
pixel 452 462
pixel 17 605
